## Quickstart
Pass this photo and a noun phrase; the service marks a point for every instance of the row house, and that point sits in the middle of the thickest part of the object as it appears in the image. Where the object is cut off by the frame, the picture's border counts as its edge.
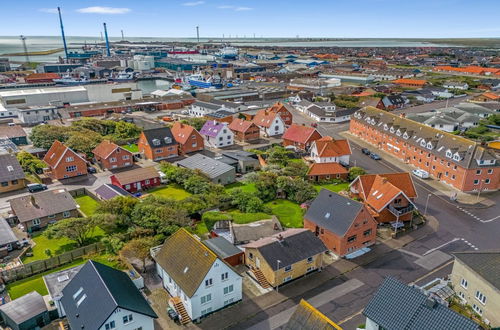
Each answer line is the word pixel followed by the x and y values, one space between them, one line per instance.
pixel 109 156
pixel 244 130
pixel 457 161
pixel 217 134
pixel 188 138
pixel 390 197
pixel 158 144
pixel 63 162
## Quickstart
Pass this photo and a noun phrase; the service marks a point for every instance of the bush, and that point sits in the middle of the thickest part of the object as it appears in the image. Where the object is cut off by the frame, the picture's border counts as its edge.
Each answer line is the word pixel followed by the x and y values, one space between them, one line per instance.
pixel 355 171
pixel 211 217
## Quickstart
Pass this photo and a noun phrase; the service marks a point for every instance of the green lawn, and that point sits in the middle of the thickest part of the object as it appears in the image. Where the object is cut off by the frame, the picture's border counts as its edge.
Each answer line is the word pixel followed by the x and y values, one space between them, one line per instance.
pixel 35 283
pixel 174 192
pixel 242 218
pixel 332 186
pixel 131 147
pixel 55 245
pixel 87 204
pixel 246 187
pixel 289 213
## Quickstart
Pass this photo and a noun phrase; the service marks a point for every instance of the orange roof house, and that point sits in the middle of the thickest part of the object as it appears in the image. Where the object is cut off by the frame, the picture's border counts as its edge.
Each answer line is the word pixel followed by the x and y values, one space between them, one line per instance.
pixel 270 123
pixel 189 139
pixel 388 196
pixel 109 155
pixel 326 171
pixel 488 96
pixel 410 82
pixel 300 136
pixel 328 149
pixel 478 70
pixel 63 162
pixel 244 130
pixel 283 111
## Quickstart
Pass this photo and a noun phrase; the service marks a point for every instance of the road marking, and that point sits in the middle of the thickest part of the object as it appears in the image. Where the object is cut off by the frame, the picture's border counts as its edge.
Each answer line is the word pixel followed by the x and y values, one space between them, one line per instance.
pixel 418 256
pixel 442 245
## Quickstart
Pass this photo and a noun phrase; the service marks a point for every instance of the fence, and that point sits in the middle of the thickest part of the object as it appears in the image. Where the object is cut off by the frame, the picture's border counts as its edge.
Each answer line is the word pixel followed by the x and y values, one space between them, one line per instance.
pixel 40 266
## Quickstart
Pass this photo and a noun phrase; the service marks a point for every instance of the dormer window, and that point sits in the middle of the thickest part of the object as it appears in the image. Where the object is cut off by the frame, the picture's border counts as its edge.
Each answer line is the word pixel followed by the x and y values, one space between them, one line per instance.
pixel 391 130
pixel 449 154
pixel 398 132
pixel 405 136
pixel 457 157
pixel 386 127
pixel 168 139
pixel 429 146
pixel 156 142
pixel 423 143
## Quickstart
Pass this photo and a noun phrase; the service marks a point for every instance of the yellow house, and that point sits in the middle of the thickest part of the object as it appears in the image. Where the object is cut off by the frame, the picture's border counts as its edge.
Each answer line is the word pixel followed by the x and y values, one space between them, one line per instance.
pixel 306 317
pixel 12 176
pixel 476 280
pixel 284 256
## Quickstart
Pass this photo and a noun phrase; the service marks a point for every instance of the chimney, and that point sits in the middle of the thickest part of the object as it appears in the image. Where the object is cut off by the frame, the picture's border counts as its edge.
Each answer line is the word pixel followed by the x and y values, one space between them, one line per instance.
pixel 402 115
pixel 280 238
pixel 276 226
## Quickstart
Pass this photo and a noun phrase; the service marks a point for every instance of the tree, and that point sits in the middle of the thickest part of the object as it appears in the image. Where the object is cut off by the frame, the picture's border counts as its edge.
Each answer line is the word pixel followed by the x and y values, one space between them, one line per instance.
pixel 245 201
pixel 124 130
pixel 196 122
pixel 296 190
pixel 296 169
pixel 138 248
pixel 355 171
pixel 266 186
pixel 278 155
pixel 115 215
pixel 197 185
pixel 84 141
pixel 30 163
pixel 102 127
pixel 43 136
pixel 76 229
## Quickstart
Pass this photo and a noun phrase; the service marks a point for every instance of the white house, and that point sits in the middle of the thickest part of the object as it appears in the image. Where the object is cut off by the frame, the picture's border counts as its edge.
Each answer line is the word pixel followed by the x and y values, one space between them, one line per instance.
pixel 200 109
pixel 456 85
pixel 269 123
pixel 329 150
pixel 217 134
pixel 199 282
pixel 104 298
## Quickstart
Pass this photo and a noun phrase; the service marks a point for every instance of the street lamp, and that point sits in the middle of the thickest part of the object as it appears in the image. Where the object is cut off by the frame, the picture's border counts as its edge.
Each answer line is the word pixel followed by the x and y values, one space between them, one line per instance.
pixel 426 204
pixel 276 277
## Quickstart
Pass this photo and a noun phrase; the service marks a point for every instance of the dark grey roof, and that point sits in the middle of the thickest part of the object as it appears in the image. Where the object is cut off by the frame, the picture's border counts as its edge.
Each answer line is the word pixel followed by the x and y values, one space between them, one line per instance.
pixel 219 114
pixel 294 246
pixel 56 282
pixel 397 306
pixel 25 307
pixel 485 263
pixel 42 204
pixel 207 105
pixel 222 247
pixel 240 155
pixel 333 212
pixel 209 166
pixel 6 234
pixel 163 135
pixel 105 289
pixel 108 191
pixel 394 100
pixel 10 169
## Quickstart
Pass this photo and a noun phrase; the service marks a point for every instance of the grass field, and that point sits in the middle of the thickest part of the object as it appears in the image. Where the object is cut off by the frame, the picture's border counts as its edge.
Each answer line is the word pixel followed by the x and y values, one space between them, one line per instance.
pixel 333 187
pixel 174 192
pixel 246 187
pixel 87 204
pixel 242 218
pixel 131 147
pixel 289 213
pixel 55 245
pixel 35 283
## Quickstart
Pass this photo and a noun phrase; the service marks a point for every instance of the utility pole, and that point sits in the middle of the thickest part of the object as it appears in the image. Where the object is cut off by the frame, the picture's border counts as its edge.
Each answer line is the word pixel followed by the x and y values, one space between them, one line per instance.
pixel 23 39
pixel 101 37
pixel 198 34
pixel 123 38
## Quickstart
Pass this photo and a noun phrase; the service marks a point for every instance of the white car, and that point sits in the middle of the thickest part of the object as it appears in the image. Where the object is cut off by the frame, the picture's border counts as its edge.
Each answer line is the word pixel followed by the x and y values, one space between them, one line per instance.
pixel 421 174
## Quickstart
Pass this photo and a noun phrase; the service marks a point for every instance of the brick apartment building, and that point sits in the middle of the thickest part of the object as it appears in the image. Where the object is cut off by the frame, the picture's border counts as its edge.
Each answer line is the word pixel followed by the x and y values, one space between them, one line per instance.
pixel 459 162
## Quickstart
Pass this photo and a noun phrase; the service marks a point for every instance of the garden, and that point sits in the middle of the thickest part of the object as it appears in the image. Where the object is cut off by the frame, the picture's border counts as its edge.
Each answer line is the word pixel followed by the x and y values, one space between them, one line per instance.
pixel 172 191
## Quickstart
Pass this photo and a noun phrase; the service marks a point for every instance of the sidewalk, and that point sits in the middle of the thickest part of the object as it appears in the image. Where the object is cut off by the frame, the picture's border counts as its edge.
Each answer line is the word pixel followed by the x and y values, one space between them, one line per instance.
pixel 295 290
pixel 442 190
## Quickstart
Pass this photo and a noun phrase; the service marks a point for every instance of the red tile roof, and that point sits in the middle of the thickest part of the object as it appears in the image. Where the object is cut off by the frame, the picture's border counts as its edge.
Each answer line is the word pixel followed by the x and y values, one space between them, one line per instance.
pixel 240 125
pixel 469 69
pixel 329 147
pixel 405 81
pixel 182 132
pixel 56 152
pixel 105 148
pixel 264 118
pixel 326 169
pixel 299 133
pixel 491 95
pixel 42 76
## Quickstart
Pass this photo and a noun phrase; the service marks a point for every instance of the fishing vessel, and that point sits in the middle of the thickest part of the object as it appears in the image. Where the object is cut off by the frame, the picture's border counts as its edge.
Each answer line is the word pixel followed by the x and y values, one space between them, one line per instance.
pixel 123 76
pixel 229 53
pixel 67 79
pixel 198 80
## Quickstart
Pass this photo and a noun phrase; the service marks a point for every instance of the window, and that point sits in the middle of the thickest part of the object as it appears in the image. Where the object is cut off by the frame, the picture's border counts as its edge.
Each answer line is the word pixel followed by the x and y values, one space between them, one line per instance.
pixel 112 160
pixel 208 282
pixel 159 150
pixel 309 260
pixel 224 276
pixel 227 302
pixel 125 157
pixel 367 232
pixel 66 214
pixel 250 255
pixel 71 168
pixel 36 222
pixel 206 311
pixel 52 216
pixel 351 239
pixel 110 325
pixel 69 159
pixel 228 289
pixel 82 298
pixel 146 181
pixel 206 298
pixel 288 268
pixel 478 172
pixel 5 183
pixel 14 182
pixel 476 182
pixel 477 309
pixel 490 171
pixel 286 279
pixel 127 319
pixel 481 297
pixel 464 283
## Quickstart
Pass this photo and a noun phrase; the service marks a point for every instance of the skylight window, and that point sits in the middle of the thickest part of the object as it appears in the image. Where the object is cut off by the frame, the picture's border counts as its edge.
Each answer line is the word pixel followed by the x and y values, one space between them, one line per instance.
pixel 375 192
pixel 62 278
pixel 327 215
pixel 79 302
pixel 77 293
pixel 380 196
pixel 10 168
pixel 185 270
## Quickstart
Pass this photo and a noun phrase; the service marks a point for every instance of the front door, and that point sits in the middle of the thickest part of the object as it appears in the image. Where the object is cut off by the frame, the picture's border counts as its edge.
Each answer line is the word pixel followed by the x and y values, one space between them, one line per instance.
pixel 257 262
pixel 138 186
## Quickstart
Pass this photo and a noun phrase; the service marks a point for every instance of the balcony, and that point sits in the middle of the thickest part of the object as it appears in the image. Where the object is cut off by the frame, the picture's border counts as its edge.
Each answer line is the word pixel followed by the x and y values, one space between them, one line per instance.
pixel 399 211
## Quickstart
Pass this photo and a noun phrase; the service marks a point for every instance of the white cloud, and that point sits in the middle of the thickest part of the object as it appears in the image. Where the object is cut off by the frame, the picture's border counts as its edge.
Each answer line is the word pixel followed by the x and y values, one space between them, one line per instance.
pixel 235 8
pixel 194 3
pixel 48 10
pixel 103 10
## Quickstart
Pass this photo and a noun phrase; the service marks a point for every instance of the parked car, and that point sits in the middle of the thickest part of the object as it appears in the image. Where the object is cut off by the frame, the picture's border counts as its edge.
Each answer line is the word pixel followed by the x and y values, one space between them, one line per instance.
pixel 91 170
pixel 22 243
pixel 34 187
pixel 366 151
pixel 314 125
pixel 375 156
pixel 421 174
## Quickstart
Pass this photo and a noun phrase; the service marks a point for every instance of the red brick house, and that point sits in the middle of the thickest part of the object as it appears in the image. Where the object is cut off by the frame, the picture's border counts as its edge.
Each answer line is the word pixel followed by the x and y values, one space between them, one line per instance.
pixel 389 197
pixel 283 111
pixel 109 156
pixel 189 139
pixel 327 171
pixel 158 144
pixel 63 162
pixel 300 136
pixel 244 130
pixel 344 225
pixel 457 161
pixel 138 179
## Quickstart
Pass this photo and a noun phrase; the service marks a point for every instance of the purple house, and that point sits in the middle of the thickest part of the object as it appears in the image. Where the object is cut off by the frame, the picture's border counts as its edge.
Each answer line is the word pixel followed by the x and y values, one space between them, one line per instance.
pixel 217 134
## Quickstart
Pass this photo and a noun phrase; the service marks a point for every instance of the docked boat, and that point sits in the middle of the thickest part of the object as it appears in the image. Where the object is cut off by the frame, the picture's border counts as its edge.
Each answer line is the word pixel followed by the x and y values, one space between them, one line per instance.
pixel 198 80
pixel 123 76
pixel 71 81
pixel 229 53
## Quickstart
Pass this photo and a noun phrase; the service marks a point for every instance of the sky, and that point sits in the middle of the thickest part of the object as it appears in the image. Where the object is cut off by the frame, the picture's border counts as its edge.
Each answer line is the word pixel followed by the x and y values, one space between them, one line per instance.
pixel 267 18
